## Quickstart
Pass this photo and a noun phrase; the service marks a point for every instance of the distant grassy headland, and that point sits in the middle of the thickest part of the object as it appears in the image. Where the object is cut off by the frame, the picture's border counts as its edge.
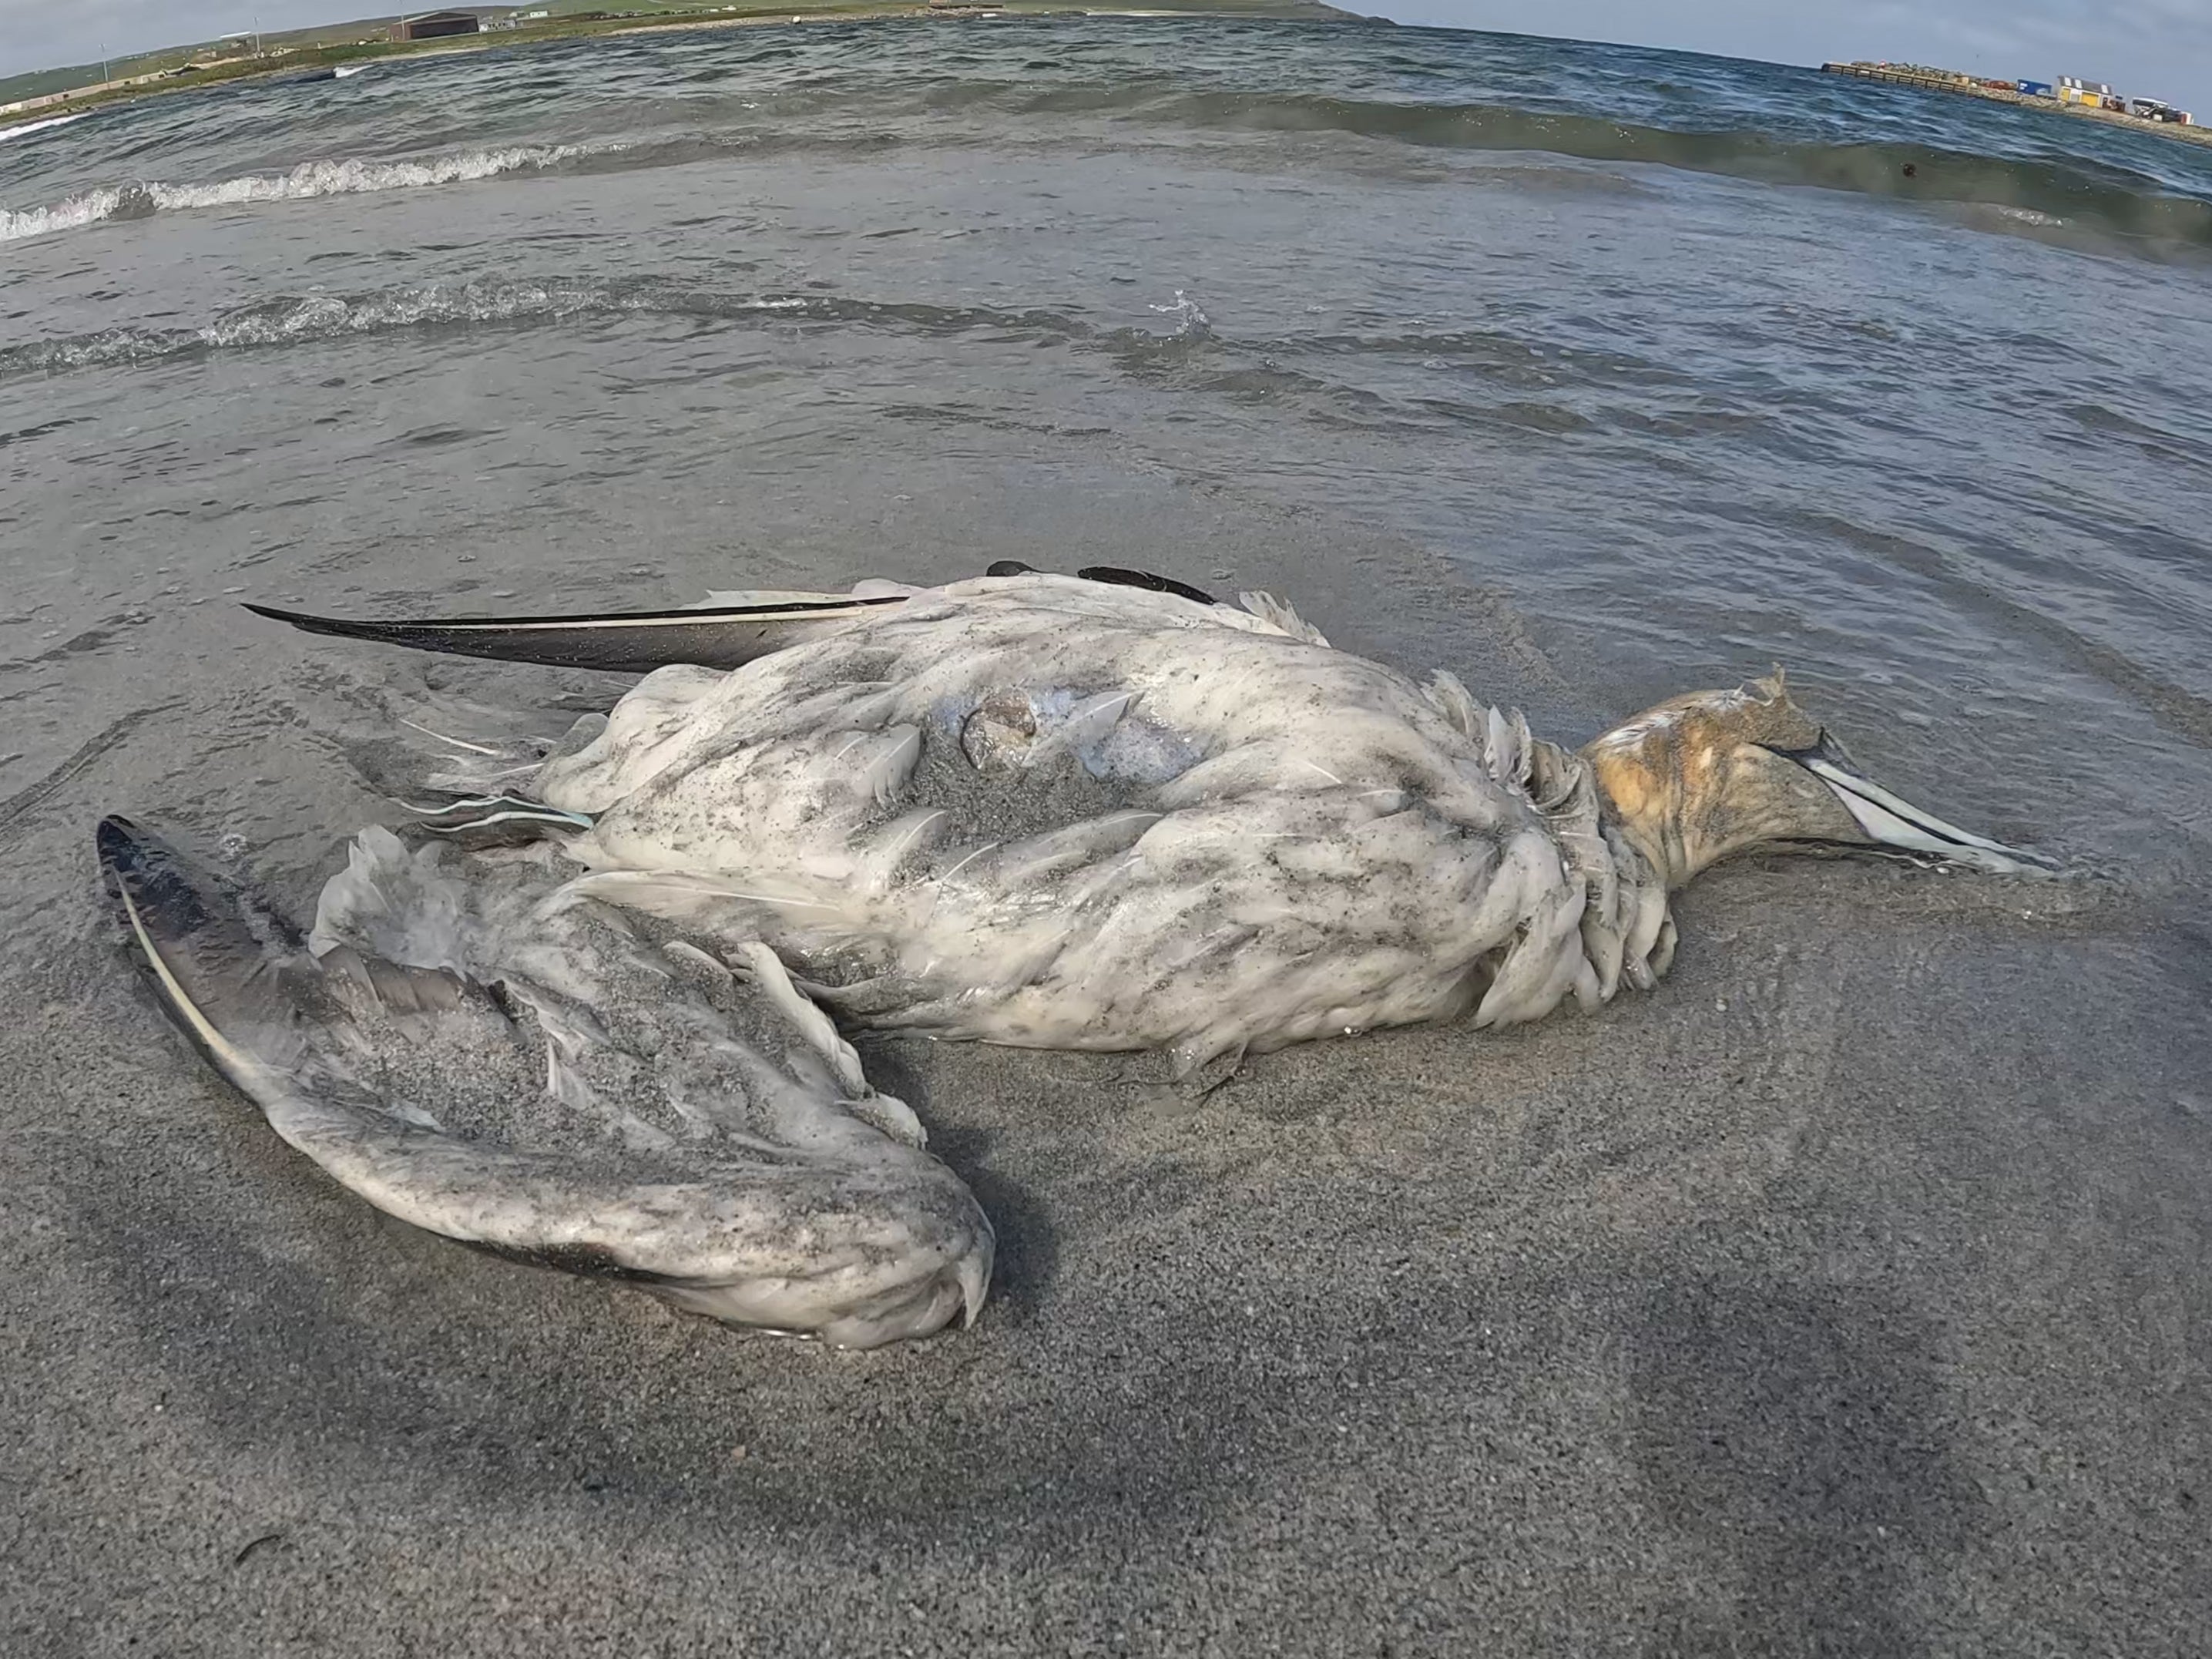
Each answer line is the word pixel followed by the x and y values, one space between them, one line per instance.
pixel 47 93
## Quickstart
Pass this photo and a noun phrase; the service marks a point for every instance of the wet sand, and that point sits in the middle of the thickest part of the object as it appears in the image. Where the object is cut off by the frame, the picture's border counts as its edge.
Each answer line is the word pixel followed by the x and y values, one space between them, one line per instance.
pixel 1847 1295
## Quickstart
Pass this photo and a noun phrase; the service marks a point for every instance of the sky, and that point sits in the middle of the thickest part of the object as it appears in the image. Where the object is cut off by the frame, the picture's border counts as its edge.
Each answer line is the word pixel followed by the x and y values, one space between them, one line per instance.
pixel 2154 48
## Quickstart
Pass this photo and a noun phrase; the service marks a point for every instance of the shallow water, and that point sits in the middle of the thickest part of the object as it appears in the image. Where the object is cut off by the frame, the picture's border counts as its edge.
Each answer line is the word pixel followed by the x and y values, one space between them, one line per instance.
pixel 1667 352
pixel 1593 374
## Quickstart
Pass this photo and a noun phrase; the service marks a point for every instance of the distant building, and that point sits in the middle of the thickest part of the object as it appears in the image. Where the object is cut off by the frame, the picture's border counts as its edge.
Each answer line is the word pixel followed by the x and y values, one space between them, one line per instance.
pixel 2157 109
pixel 2072 89
pixel 436 26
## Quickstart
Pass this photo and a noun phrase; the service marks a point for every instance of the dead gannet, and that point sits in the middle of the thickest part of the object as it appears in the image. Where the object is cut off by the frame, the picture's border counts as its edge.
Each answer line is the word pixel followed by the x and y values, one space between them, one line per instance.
pixel 1106 813
pixel 478 1052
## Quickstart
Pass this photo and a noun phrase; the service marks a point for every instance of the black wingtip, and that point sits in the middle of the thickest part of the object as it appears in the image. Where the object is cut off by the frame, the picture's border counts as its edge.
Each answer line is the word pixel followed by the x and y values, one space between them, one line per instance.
pixel 123 848
pixel 639 641
pixel 1152 583
pixel 156 885
pixel 336 627
pixel 1114 576
pixel 616 641
pixel 117 844
pixel 339 627
pixel 205 943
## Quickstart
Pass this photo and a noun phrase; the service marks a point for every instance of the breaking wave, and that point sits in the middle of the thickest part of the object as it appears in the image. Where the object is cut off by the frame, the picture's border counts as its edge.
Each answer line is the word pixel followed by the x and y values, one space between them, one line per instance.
pixel 2032 182
pixel 309 179
pixel 24 129
pixel 1960 162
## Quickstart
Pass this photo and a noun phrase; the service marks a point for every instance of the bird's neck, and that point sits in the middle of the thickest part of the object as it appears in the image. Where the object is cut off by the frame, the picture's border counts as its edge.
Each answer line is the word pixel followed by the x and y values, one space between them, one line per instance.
pixel 1627 934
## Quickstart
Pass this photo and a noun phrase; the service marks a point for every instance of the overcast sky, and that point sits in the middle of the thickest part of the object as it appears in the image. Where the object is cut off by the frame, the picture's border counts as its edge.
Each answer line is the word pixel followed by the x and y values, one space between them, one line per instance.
pixel 2160 48
pixel 36 34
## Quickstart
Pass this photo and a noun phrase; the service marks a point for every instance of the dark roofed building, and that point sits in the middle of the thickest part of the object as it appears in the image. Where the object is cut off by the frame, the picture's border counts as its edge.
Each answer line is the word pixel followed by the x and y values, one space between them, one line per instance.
pixel 436 25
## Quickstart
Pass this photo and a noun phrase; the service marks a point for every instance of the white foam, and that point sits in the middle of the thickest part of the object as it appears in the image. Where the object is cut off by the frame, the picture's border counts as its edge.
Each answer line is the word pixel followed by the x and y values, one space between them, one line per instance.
pixel 1191 322
pixel 30 127
pixel 308 180
pixel 351 178
pixel 330 316
pixel 88 208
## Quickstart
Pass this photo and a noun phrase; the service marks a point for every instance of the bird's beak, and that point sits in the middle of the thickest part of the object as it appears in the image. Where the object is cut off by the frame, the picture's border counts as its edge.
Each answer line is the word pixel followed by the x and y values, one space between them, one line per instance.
pixel 1890 822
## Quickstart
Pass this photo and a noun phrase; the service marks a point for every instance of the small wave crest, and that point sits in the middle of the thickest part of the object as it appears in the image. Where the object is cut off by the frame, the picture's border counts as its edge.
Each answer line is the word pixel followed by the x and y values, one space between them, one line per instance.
pixel 302 318
pixel 1191 322
pixel 491 302
pixel 351 177
pixel 1188 354
pixel 89 208
pixel 24 129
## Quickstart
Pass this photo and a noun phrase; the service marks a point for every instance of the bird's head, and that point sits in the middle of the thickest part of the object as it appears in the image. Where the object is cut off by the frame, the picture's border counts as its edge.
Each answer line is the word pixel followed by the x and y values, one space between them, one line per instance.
pixel 1716 772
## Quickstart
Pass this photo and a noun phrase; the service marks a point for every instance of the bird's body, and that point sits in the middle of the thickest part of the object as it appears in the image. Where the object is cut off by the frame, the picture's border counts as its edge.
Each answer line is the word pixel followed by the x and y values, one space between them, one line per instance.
pixel 1103 813
pixel 1060 813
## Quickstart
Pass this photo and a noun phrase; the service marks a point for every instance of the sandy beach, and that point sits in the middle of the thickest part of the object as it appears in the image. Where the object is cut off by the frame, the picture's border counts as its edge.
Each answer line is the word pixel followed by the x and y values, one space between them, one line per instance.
pixel 1846 1295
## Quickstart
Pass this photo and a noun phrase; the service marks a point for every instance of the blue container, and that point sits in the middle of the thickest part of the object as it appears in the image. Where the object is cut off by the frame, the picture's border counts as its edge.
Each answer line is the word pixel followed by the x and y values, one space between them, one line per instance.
pixel 2036 89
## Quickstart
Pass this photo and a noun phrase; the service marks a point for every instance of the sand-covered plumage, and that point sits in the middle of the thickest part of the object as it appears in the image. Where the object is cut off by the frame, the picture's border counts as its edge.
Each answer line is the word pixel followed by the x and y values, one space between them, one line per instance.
pixel 1101 813
pixel 476 1052
pixel 1110 812
pixel 1060 813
